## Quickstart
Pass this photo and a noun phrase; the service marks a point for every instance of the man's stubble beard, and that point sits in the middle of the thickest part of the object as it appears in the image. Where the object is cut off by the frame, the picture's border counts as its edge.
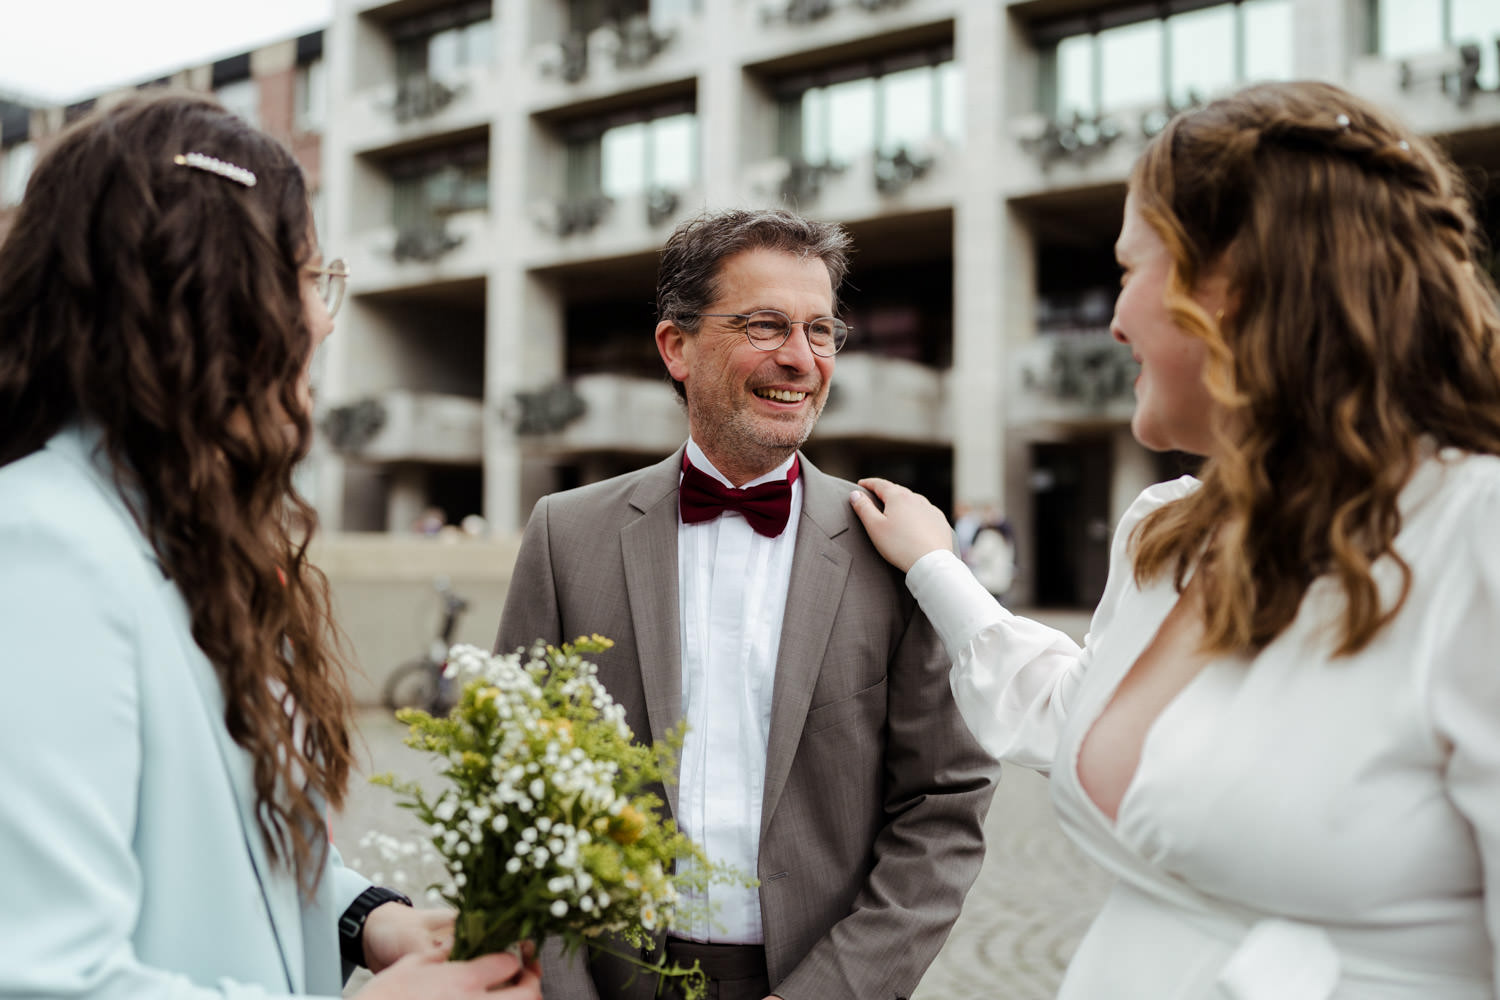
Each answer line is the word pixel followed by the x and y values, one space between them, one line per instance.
pixel 740 439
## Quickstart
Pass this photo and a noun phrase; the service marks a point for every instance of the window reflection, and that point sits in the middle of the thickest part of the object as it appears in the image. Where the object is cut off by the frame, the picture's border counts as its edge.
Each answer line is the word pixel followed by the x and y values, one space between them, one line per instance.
pixel 444 44
pixel 653 148
pixel 1417 27
pixel 429 187
pixel 1202 47
pixel 838 115
pixel 1177 59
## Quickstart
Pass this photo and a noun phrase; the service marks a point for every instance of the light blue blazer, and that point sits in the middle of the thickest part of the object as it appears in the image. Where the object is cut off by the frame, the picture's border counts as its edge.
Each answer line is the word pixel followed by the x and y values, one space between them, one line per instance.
pixel 131 864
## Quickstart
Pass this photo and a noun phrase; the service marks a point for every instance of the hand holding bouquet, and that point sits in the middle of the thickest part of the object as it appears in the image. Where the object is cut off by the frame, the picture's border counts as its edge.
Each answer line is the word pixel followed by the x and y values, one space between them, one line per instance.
pixel 549 826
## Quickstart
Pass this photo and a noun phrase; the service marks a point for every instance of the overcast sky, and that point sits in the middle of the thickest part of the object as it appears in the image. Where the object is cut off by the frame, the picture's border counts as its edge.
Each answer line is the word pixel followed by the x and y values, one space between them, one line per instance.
pixel 65 50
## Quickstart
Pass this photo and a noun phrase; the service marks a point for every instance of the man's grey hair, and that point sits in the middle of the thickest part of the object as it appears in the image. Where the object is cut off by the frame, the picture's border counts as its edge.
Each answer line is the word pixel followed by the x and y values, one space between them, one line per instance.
pixel 688 279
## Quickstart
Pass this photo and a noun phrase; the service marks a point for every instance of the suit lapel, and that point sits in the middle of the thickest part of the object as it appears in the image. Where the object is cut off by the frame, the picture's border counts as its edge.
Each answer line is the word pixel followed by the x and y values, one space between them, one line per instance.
pixel 649 548
pixel 280 896
pixel 820 569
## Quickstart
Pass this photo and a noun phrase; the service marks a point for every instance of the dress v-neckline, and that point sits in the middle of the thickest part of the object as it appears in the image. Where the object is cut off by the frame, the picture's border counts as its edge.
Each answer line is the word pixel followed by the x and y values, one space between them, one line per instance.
pixel 1136 649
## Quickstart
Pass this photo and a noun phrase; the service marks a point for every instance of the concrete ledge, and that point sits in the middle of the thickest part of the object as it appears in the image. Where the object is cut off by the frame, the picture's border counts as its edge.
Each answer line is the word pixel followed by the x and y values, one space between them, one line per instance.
pixel 386 602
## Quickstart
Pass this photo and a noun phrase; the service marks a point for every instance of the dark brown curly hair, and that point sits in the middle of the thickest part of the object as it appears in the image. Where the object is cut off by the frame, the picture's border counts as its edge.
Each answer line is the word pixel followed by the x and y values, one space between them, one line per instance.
pixel 162 305
pixel 1361 326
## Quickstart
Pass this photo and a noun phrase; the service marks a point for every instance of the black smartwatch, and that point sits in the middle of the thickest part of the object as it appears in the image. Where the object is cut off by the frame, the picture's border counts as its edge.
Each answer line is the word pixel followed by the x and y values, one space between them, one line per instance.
pixel 352 923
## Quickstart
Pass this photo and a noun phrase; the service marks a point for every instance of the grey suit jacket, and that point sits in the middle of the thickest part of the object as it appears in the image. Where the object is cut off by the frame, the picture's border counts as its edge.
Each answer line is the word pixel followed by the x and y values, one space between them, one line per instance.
pixel 874 792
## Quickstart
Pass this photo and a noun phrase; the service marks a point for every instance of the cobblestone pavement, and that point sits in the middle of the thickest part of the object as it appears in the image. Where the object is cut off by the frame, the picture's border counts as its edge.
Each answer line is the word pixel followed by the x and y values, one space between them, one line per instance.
pixel 1032 902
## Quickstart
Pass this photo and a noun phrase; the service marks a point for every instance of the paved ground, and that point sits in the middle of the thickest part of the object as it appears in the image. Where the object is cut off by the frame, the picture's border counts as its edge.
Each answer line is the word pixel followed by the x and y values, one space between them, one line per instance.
pixel 1032 902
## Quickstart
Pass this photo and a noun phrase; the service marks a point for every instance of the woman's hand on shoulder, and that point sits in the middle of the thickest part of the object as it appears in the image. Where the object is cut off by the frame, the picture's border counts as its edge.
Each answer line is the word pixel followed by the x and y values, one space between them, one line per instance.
pixel 907 529
pixel 429 976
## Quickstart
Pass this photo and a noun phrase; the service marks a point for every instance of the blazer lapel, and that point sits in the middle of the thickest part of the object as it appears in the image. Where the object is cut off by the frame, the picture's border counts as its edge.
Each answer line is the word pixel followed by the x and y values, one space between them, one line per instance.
pixel 280 896
pixel 820 569
pixel 649 548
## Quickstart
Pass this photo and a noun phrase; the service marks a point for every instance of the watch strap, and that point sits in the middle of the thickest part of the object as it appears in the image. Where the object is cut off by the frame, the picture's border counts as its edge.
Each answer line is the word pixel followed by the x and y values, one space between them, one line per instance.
pixel 352 923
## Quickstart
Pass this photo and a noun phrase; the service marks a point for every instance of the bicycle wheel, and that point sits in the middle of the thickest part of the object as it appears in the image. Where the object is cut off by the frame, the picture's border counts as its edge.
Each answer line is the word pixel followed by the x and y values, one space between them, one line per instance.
pixel 412 685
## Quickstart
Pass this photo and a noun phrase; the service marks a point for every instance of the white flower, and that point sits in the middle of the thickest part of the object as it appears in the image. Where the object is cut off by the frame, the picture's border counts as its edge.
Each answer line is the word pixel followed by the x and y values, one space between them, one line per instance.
pixel 499 823
pixel 513 865
pixel 559 908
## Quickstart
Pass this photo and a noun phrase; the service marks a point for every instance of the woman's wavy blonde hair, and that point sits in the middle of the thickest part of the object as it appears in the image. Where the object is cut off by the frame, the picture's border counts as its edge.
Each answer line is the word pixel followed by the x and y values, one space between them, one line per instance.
pixel 1359 324
pixel 162 306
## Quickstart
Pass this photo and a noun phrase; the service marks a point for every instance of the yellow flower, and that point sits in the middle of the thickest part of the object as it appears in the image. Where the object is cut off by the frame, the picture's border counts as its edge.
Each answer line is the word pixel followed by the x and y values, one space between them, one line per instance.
pixel 561 728
pixel 627 827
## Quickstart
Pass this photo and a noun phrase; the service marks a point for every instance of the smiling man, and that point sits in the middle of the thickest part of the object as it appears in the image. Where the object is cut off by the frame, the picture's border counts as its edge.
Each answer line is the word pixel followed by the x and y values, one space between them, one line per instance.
pixel 824 753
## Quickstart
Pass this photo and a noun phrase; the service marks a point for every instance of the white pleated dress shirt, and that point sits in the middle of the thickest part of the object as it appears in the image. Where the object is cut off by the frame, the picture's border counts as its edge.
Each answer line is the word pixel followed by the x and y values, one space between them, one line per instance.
pixel 732 588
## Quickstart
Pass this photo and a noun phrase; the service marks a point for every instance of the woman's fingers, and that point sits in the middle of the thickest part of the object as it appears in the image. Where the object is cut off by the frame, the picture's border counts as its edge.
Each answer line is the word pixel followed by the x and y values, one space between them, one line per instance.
pixel 491 971
pixel 908 528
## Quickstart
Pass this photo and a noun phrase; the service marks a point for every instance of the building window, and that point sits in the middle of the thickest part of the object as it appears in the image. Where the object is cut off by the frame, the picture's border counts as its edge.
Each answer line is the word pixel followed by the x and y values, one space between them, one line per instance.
pixel 662 15
pixel 242 98
pixel 1417 27
pixel 444 44
pixel 311 96
pixel 15 170
pixel 1089 70
pixel 624 155
pixel 429 187
pixel 885 106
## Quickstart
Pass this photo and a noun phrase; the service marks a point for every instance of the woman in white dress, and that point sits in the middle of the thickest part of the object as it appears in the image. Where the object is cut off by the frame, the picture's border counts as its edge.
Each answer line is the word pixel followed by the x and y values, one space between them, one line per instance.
pixel 1283 730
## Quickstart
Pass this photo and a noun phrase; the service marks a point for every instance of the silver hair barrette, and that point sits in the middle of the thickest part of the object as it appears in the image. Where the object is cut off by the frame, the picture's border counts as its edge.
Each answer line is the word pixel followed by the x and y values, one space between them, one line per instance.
pixel 202 161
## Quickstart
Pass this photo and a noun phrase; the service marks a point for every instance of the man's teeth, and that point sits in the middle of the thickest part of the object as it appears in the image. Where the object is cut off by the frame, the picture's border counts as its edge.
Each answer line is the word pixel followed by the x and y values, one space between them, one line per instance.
pixel 781 395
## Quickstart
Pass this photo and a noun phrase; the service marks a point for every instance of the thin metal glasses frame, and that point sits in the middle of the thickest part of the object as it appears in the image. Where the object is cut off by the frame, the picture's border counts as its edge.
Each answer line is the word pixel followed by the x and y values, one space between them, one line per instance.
pixel 840 329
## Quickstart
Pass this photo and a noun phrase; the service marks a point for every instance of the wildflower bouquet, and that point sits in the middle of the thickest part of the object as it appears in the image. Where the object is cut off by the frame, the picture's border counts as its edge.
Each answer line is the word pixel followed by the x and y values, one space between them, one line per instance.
pixel 548 826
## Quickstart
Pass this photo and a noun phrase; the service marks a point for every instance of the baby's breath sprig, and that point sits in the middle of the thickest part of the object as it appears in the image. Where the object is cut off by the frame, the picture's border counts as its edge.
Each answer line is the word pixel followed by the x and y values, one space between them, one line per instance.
pixel 549 823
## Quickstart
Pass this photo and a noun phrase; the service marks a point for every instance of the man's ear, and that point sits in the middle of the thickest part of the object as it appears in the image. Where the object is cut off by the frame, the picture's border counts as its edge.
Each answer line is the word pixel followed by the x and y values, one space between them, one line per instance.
pixel 673 346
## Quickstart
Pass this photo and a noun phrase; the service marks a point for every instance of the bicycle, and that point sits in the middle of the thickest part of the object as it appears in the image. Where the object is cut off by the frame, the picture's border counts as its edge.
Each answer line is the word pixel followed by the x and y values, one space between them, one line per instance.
pixel 420 683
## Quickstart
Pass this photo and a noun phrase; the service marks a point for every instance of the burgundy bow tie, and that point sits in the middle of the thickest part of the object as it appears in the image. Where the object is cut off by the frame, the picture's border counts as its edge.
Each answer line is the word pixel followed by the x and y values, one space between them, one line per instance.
pixel 767 506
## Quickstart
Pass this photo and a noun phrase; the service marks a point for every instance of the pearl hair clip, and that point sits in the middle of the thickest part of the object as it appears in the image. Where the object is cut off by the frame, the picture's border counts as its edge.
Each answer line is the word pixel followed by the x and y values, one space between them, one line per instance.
pixel 202 161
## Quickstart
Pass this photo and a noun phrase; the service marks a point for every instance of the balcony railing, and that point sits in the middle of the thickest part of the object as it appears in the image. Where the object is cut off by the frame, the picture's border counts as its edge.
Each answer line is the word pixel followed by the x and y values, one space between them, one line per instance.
pixel 425 244
pixel 1075 375
pixel 419 97
pixel 628 44
pixel 897 171
pixel 402 426
pixel 572 216
pixel 1454 70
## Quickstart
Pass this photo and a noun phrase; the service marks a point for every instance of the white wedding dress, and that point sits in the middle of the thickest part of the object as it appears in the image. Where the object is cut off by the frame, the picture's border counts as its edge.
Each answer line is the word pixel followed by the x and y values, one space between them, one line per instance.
pixel 1299 827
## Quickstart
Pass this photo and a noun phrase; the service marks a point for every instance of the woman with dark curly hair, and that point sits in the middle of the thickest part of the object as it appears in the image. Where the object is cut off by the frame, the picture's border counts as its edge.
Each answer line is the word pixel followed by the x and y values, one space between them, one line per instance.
pixel 1283 730
pixel 178 722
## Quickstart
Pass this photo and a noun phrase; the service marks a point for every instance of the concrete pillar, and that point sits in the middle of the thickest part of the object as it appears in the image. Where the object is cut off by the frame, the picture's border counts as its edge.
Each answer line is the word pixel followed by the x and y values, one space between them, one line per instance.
pixel 1328 34
pixel 977 383
pixel 340 351
pixel 720 111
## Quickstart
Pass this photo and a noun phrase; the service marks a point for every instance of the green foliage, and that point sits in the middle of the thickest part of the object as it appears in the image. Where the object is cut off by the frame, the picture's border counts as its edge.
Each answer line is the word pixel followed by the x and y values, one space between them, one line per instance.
pixel 550 819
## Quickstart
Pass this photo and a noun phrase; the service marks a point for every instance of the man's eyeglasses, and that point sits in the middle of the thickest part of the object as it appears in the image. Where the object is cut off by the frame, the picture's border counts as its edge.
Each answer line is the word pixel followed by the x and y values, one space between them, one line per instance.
pixel 768 329
pixel 332 277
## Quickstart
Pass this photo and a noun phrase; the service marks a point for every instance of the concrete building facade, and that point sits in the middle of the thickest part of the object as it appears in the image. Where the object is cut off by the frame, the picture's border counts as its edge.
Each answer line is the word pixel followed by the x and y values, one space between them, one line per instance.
pixel 279 87
pixel 502 174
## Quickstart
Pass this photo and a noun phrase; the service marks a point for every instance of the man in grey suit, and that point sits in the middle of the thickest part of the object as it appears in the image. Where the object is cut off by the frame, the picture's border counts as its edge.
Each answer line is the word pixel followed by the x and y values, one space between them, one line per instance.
pixel 824 755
